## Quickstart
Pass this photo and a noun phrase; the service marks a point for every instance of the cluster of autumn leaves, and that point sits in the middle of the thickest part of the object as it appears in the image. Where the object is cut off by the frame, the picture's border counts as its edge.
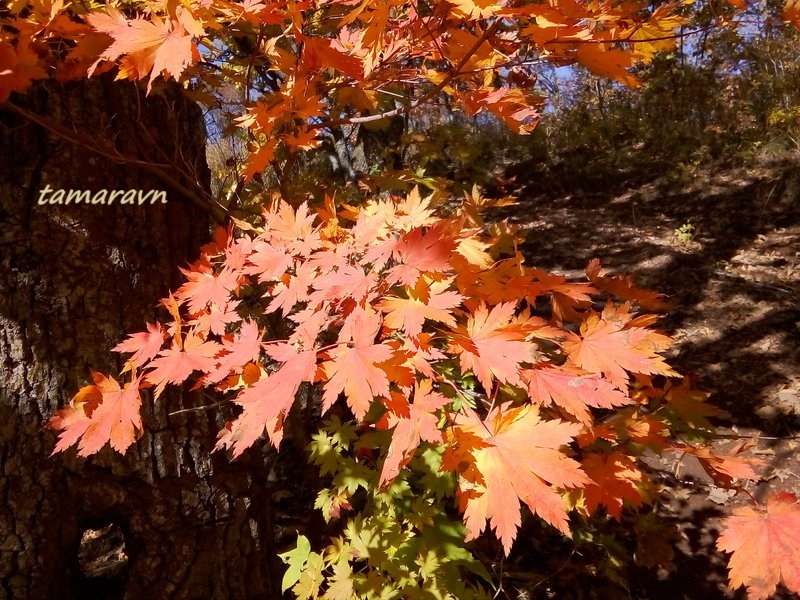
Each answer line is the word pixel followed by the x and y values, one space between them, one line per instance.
pixel 522 376
pixel 540 394
pixel 338 60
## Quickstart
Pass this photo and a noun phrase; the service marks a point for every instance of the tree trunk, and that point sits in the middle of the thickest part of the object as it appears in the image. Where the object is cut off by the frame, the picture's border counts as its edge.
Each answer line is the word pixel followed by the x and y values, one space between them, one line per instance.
pixel 73 280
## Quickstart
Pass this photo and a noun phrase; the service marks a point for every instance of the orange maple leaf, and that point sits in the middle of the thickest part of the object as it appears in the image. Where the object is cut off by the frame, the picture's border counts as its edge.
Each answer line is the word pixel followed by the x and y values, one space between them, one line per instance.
pixel 322 53
pixel 611 63
pixel 268 400
pixel 412 424
pixel 150 46
pixel 790 13
pixel 724 466
pixel 623 287
pixel 491 346
pixel 354 369
pixel 427 300
pixel 99 414
pixel 612 344
pixel 292 229
pixel 573 390
pixel 567 298
pixel 144 346
pixel 615 480
pixel 513 455
pixel 764 546
pixel 19 65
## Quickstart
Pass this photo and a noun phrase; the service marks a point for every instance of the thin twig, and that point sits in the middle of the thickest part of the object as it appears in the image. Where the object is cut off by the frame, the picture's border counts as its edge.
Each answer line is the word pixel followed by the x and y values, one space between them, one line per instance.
pixel 419 101
pixel 217 211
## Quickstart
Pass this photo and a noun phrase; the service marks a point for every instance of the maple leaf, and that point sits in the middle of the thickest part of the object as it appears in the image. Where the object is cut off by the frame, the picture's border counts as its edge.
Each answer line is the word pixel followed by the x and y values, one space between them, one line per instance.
pixel 723 466
pixel 18 66
pixel 203 289
pixel 427 300
pixel 764 548
pixel 612 344
pixel 421 352
pixel 491 346
pixel 321 53
pixel 236 352
pixel 99 414
pixel 292 289
pixel 267 261
pixel 143 346
pixel 215 318
pixel 354 369
pixel 656 34
pixel 175 364
pixel 516 108
pixel 414 212
pixel 567 298
pixel 268 400
pixel 612 63
pixel 573 390
pixel 512 456
pixel 470 9
pixel 790 13
pixel 624 287
pixel 151 46
pixel 347 281
pixel 615 480
pixel 417 423
pixel 422 251
pixel 293 229
pixel 689 405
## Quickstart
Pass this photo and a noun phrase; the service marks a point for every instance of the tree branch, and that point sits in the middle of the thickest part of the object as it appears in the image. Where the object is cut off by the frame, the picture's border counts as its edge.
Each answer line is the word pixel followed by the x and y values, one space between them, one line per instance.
pixel 419 101
pixel 202 201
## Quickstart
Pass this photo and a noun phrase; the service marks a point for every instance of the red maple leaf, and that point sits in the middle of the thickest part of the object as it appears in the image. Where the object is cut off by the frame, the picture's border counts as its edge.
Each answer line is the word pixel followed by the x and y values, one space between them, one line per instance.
pixel 99 414
pixel 512 456
pixel 764 547
pixel 421 251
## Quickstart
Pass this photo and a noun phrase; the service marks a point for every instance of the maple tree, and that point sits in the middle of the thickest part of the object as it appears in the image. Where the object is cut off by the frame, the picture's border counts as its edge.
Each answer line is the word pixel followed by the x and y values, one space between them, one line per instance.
pixel 471 378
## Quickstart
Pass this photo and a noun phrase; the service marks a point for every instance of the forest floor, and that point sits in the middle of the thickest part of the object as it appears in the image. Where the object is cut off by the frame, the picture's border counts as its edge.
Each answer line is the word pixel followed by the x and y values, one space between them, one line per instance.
pixel 725 246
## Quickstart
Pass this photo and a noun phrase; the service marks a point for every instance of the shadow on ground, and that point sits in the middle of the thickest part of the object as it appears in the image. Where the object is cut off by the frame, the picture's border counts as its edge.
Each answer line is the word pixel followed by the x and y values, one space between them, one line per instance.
pixel 725 245
pixel 735 275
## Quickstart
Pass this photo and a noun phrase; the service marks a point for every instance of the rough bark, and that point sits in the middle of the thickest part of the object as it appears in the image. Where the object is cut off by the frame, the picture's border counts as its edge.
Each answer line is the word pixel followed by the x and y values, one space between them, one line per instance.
pixel 73 281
